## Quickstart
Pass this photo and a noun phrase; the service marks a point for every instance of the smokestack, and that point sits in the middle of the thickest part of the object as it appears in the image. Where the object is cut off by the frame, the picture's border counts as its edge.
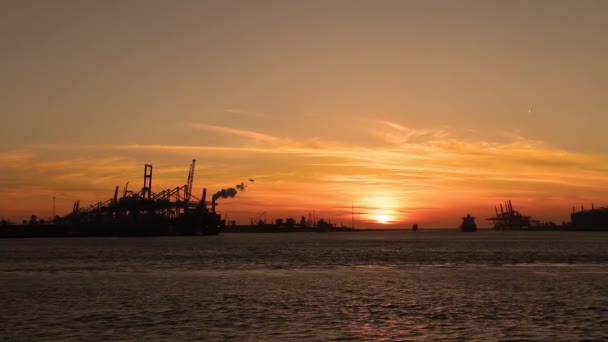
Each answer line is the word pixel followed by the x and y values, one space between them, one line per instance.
pixel 213 204
pixel 204 198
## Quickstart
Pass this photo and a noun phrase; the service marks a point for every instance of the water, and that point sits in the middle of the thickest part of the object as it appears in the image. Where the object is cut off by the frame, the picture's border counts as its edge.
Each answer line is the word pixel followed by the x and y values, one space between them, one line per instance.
pixel 418 286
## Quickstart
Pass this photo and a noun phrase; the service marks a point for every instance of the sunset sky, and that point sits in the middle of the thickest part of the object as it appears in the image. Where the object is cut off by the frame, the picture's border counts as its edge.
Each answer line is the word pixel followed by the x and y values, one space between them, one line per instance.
pixel 413 111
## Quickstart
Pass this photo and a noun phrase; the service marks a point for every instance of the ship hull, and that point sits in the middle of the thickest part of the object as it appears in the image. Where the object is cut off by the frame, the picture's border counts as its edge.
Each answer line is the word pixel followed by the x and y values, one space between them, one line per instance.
pixel 468 224
pixel 468 228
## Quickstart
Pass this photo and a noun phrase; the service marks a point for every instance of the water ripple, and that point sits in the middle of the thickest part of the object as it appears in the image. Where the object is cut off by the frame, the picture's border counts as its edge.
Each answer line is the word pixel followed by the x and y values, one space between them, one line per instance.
pixel 313 287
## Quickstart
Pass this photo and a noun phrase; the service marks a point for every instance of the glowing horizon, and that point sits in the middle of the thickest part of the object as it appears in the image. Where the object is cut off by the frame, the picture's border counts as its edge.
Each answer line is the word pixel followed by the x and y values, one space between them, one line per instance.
pixel 431 181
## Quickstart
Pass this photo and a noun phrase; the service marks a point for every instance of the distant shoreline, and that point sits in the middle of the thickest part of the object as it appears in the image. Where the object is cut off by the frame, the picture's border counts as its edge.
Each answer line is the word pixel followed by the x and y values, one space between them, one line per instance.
pixel 52 231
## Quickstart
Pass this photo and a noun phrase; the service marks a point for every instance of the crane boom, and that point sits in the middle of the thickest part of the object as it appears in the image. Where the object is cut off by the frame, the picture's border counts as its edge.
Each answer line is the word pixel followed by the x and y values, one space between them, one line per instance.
pixel 190 181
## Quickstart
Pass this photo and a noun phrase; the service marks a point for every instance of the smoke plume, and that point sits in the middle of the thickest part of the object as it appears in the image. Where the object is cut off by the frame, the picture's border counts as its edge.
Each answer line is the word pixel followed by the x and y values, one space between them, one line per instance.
pixel 225 193
pixel 230 192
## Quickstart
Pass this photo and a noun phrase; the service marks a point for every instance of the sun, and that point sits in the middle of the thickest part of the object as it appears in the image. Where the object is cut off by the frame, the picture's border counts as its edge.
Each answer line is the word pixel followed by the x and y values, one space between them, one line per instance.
pixel 384 219
pixel 381 209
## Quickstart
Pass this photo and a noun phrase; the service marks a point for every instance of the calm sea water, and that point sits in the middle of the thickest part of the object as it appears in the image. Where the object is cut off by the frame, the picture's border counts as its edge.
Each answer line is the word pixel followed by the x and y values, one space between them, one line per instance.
pixel 419 286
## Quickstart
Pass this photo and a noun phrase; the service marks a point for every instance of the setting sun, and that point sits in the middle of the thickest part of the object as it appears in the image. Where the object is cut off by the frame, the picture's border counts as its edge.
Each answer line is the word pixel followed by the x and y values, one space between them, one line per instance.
pixel 383 210
pixel 384 219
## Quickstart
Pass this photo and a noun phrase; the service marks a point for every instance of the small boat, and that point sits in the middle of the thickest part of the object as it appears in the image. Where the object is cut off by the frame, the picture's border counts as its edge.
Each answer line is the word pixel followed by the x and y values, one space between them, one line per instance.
pixel 468 224
pixel 415 227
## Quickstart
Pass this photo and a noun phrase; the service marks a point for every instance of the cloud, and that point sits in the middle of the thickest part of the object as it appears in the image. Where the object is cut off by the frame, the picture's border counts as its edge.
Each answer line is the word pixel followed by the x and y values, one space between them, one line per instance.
pixel 450 158
pixel 16 156
pixel 270 142
pixel 189 148
pixel 420 168
pixel 237 132
pixel 400 135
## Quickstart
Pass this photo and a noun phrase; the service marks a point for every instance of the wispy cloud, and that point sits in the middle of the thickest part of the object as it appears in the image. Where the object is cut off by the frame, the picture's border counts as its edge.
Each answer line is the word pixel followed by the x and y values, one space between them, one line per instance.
pixel 15 156
pixel 399 135
pixel 190 148
pixel 237 132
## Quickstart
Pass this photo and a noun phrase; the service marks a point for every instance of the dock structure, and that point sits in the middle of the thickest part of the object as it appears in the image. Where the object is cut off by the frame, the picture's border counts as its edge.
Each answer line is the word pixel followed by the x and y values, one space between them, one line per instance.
pixel 511 219
pixel 174 211
pixel 169 202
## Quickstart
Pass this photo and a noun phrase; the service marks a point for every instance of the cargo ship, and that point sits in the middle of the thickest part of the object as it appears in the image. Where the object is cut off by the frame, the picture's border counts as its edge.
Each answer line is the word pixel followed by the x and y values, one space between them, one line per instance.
pixel 144 213
pixel 468 224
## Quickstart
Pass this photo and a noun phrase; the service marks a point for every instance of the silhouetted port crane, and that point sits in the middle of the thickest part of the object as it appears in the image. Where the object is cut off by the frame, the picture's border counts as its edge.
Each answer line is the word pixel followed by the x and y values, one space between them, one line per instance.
pixel 259 220
pixel 176 208
pixel 188 194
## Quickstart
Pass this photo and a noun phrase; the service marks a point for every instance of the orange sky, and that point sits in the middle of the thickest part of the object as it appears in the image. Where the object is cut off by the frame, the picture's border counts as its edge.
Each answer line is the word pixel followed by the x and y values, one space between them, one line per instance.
pixel 415 111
